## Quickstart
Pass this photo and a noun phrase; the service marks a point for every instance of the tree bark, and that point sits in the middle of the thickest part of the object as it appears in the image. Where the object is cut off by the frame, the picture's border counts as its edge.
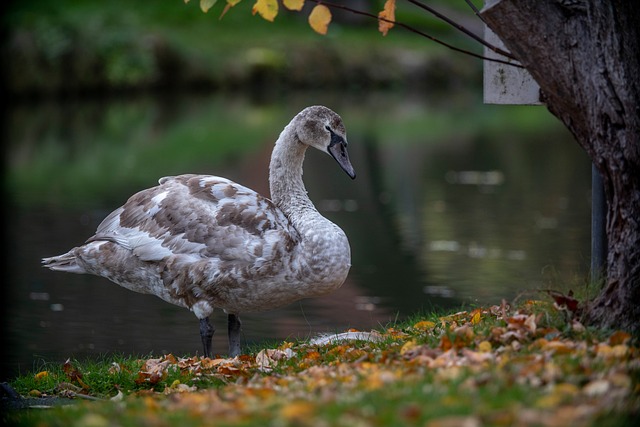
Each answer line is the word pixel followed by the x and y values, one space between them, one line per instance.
pixel 585 55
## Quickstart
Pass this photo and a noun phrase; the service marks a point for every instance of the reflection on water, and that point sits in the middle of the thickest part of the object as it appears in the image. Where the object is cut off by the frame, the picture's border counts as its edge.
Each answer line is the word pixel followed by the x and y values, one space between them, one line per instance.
pixel 455 203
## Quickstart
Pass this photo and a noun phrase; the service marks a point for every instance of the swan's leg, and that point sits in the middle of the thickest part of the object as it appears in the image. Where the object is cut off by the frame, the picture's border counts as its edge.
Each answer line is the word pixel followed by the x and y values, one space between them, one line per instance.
pixel 234 335
pixel 206 333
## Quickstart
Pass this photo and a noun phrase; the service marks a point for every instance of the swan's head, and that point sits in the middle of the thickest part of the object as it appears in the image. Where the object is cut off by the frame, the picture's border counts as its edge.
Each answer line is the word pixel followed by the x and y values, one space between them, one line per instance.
pixel 321 128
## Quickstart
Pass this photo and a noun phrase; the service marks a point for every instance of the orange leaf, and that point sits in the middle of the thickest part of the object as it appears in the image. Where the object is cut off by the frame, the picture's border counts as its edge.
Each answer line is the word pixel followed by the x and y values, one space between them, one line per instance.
pixel 268 9
pixel 619 337
pixel 387 17
pixel 41 375
pixel 319 19
pixel 293 4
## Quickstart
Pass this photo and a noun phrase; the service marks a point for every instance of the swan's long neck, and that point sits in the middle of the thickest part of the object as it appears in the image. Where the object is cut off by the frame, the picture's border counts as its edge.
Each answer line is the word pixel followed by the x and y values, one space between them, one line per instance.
pixel 285 175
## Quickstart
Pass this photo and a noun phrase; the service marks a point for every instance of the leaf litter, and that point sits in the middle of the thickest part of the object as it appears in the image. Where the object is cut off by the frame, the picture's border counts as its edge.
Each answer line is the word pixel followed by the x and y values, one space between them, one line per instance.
pixel 489 366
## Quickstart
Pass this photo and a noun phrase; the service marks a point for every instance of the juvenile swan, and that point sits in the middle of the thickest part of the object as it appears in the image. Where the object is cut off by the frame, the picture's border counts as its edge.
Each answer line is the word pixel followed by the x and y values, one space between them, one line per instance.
pixel 205 242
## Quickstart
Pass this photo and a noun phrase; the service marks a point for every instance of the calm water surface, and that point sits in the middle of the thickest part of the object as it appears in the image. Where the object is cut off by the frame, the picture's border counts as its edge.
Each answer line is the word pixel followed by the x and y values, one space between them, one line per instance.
pixel 455 203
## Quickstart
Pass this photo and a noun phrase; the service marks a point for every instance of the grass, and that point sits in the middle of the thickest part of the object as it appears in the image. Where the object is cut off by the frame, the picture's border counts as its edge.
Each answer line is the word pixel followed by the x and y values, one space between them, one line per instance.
pixel 528 365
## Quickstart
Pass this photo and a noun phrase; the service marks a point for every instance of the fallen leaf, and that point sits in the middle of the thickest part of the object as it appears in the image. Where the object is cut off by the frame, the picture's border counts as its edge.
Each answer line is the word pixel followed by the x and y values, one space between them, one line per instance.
pixel 476 357
pixel 476 316
pixel 564 301
pixel 41 375
pixel 484 346
pixel 454 421
pixel 268 358
pixel 408 346
pixel 297 411
pixel 619 337
pixel 558 347
pixel 424 325
pixel 320 18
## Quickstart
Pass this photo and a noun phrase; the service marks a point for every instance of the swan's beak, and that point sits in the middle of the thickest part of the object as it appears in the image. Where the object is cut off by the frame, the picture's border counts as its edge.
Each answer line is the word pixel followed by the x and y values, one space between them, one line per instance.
pixel 338 150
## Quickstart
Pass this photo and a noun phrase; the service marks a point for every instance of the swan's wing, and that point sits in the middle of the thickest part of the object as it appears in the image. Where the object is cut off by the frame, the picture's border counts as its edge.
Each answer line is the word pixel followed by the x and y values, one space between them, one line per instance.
pixel 198 216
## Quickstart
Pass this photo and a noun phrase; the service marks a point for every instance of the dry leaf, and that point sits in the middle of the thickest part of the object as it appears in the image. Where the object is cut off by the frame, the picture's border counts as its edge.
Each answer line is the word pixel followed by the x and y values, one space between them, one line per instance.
pixel 564 301
pixel 297 411
pixel 484 347
pixel 408 346
pixel 424 325
pixel 387 17
pixel 619 337
pixel 320 18
pixel 268 9
pixel 476 316
pixel 41 375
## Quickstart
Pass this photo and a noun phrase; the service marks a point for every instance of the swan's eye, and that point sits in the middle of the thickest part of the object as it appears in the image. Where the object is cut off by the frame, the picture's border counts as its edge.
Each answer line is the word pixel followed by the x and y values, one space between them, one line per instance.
pixel 328 128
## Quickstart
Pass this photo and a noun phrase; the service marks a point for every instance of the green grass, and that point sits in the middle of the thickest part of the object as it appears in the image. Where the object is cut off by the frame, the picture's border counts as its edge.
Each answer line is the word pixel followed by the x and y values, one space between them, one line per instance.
pixel 485 366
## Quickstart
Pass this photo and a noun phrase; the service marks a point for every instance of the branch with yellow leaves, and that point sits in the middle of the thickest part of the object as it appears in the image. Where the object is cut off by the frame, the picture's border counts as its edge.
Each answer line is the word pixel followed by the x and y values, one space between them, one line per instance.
pixel 320 18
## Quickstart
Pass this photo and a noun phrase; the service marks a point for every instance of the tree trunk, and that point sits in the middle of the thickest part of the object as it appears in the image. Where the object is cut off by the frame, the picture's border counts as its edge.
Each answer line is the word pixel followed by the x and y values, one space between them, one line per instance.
pixel 585 55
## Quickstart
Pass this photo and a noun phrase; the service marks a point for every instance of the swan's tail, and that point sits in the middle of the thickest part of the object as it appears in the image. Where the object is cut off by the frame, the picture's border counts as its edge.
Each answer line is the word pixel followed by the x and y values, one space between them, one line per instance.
pixel 66 262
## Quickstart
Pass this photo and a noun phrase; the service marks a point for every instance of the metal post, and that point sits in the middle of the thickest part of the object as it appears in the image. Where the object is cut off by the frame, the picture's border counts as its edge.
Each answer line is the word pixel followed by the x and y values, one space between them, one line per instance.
pixel 598 228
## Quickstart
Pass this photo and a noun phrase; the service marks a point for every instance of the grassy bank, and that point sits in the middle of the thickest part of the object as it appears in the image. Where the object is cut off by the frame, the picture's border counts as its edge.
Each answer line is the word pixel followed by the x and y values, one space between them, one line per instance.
pixel 499 365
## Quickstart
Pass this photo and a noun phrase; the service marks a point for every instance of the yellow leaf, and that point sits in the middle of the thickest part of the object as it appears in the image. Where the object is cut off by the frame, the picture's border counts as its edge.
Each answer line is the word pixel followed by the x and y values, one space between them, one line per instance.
pixel 41 375
pixel 268 9
pixel 387 17
pixel 205 5
pixel 566 389
pixel 424 325
pixel 408 346
pixel 319 19
pixel 484 347
pixel 293 4
pixel 297 411
pixel 476 316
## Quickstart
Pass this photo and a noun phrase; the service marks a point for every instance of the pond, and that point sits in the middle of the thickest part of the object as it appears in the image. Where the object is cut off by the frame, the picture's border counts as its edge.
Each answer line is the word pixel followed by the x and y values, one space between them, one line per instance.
pixel 455 203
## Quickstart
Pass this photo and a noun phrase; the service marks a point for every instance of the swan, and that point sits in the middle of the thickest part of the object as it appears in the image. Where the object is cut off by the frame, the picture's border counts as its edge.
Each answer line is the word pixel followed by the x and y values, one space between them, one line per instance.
pixel 204 242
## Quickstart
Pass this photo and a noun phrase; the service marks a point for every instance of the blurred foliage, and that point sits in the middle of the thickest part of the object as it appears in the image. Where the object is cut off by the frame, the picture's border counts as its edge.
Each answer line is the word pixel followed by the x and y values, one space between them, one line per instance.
pixel 69 47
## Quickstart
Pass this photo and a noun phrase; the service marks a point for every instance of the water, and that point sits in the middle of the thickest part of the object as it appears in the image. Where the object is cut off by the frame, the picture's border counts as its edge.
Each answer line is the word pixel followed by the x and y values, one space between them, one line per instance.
pixel 455 203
